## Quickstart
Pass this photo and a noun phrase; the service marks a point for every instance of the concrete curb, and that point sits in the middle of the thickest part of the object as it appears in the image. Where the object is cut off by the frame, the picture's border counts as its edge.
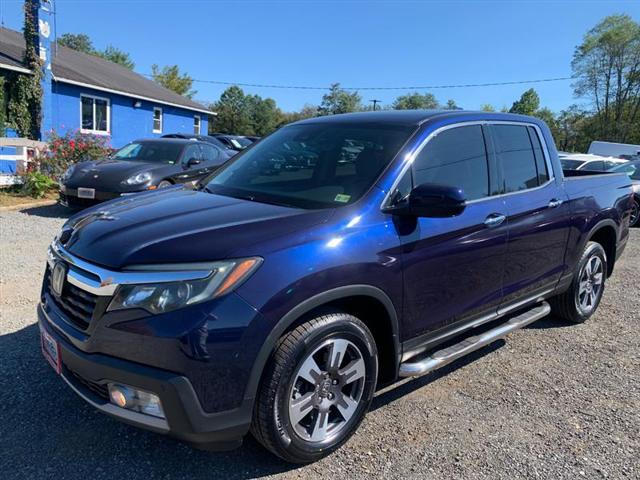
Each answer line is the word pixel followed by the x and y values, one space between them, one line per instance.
pixel 23 206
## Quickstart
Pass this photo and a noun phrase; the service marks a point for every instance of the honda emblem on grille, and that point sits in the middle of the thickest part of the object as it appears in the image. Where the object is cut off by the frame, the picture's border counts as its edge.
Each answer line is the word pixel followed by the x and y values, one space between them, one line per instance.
pixel 57 278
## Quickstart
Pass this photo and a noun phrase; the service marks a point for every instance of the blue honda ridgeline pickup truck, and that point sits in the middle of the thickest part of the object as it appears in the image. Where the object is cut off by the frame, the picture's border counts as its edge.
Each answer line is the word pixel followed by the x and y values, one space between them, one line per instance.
pixel 329 259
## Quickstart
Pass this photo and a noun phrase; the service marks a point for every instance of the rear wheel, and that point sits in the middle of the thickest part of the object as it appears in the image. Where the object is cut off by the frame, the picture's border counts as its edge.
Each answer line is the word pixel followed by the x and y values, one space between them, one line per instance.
pixel 582 298
pixel 317 388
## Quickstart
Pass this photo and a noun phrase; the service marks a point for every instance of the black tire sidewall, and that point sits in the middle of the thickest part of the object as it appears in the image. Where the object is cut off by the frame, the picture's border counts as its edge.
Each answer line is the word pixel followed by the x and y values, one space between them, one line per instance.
pixel 343 327
pixel 636 205
pixel 591 249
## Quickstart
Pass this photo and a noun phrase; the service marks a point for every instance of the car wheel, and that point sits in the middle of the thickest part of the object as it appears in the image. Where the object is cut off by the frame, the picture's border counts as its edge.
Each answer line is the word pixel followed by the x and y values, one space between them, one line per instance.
pixel 316 388
pixel 635 214
pixel 582 298
pixel 164 184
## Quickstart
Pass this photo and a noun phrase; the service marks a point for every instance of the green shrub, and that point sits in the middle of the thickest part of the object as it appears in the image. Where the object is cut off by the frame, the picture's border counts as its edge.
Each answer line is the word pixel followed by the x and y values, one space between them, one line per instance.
pixel 37 184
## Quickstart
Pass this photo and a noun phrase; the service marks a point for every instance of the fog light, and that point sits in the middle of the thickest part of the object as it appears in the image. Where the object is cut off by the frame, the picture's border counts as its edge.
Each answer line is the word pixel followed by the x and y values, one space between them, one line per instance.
pixel 136 400
pixel 118 395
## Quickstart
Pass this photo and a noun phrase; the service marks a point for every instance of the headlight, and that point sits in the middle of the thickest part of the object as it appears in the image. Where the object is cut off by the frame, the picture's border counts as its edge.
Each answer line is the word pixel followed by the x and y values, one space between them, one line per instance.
pixel 138 179
pixel 68 172
pixel 165 297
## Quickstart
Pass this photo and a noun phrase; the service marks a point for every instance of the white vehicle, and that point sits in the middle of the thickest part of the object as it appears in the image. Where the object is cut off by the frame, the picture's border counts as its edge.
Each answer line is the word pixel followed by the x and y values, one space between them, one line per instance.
pixel 610 149
pixel 589 162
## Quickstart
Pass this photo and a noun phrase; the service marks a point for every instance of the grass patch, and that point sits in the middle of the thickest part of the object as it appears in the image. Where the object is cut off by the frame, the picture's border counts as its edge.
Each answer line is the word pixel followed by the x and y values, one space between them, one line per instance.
pixel 13 196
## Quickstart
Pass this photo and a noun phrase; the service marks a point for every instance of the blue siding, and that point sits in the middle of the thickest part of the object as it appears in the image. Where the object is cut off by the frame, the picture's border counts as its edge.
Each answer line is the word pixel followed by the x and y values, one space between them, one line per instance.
pixel 8 166
pixel 127 122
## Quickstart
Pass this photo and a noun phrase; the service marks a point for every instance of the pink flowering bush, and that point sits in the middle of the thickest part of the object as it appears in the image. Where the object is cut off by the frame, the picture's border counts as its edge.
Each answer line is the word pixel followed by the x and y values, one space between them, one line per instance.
pixel 72 147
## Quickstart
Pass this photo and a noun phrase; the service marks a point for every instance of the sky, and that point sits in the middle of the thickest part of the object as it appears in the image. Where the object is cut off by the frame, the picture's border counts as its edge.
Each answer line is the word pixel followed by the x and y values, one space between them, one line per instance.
pixel 357 43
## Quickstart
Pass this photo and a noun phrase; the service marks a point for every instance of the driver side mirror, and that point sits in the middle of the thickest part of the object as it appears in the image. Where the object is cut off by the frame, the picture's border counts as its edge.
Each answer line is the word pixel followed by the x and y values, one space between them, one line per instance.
pixel 430 200
pixel 193 161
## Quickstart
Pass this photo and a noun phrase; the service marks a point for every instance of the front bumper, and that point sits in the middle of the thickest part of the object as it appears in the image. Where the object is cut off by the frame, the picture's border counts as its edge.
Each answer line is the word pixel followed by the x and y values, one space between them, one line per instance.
pixel 69 197
pixel 88 374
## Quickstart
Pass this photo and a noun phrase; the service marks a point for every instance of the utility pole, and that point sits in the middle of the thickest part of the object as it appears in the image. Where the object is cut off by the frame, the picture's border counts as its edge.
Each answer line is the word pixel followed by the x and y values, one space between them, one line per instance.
pixel 375 102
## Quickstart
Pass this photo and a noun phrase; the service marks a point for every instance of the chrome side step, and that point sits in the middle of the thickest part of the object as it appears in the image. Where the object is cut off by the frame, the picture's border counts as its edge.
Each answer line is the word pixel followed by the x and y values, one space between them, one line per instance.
pixel 471 344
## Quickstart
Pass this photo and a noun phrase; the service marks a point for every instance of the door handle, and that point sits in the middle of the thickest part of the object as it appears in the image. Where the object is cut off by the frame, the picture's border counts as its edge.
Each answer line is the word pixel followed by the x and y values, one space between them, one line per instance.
pixel 554 203
pixel 495 219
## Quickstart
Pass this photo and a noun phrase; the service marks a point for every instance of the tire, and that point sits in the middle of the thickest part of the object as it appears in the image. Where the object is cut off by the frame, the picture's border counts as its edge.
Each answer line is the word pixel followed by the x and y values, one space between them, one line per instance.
pixel 582 298
pixel 635 213
pixel 307 408
pixel 164 184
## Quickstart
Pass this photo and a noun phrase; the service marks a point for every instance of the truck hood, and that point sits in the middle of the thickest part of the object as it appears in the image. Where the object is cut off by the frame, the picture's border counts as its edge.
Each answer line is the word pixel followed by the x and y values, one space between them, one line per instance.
pixel 178 225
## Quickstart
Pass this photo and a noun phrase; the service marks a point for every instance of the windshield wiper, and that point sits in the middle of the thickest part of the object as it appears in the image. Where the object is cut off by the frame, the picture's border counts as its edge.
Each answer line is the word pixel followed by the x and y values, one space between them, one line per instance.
pixel 248 197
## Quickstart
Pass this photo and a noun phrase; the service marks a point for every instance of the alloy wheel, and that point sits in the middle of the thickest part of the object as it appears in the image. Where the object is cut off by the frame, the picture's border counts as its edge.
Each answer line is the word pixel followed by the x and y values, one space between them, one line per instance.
pixel 591 281
pixel 327 390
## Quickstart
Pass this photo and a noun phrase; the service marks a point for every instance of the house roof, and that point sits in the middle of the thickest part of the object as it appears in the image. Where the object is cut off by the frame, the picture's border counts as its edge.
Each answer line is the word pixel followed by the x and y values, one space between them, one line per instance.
pixel 70 66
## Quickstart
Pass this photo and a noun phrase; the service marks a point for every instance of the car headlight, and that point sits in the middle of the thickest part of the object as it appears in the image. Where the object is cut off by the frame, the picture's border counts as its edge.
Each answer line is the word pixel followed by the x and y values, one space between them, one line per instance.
pixel 167 296
pixel 67 173
pixel 139 178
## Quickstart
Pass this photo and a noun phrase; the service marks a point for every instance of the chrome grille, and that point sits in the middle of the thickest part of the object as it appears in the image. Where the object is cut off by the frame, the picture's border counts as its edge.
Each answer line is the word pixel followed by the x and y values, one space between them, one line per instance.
pixel 77 304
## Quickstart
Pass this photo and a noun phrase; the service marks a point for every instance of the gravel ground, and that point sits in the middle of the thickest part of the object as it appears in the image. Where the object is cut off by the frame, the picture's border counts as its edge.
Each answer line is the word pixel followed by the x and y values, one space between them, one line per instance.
pixel 553 401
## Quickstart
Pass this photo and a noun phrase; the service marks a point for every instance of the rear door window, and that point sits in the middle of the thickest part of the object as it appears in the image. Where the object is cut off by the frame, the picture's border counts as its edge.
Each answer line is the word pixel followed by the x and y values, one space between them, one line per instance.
pixel 516 153
pixel 455 157
pixel 211 154
pixel 192 151
pixel 541 163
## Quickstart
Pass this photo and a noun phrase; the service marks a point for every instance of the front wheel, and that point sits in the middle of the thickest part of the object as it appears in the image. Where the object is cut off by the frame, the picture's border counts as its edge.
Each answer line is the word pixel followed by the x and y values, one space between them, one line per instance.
pixel 582 298
pixel 317 388
pixel 164 184
pixel 635 214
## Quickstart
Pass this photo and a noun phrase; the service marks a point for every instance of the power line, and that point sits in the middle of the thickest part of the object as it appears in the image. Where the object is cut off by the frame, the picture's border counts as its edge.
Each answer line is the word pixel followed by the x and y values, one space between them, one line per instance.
pixel 413 87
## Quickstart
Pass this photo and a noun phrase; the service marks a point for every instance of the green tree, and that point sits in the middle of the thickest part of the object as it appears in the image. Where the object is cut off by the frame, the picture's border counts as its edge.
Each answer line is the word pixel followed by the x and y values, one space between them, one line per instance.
pixel 82 43
pixel 573 125
pixel 265 115
pixel 451 105
pixel 545 114
pixel 528 104
pixel 307 111
pixel 232 113
pixel 338 100
pixel 415 101
pixel 243 114
pixel 487 107
pixel 606 66
pixel 77 41
pixel 169 77
pixel 118 56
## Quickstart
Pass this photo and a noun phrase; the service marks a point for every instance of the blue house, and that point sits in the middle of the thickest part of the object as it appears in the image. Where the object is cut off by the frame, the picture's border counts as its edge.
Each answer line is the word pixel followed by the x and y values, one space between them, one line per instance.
pixel 87 93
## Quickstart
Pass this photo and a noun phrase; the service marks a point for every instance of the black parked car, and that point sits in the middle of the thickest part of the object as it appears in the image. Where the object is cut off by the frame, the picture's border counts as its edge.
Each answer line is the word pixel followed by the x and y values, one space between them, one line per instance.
pixel 204 138
pixel 139 166
pixel 236 142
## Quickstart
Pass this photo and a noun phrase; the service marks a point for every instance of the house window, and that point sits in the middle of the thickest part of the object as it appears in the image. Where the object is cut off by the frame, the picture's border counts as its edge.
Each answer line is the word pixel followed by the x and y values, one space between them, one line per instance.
pixel 94 114
pixel 196 124
pixel 157 120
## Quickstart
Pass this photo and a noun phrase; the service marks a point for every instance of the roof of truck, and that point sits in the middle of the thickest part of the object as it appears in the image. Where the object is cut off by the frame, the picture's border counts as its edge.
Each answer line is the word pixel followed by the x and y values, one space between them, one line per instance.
pixel 414 117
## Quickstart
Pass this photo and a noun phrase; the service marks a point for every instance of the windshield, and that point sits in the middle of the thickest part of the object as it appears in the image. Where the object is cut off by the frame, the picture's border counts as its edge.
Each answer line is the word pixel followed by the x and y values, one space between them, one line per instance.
pixel 571 164
pixel 245 142
pixel 155 152
pixel 319 165
pixel 631 169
